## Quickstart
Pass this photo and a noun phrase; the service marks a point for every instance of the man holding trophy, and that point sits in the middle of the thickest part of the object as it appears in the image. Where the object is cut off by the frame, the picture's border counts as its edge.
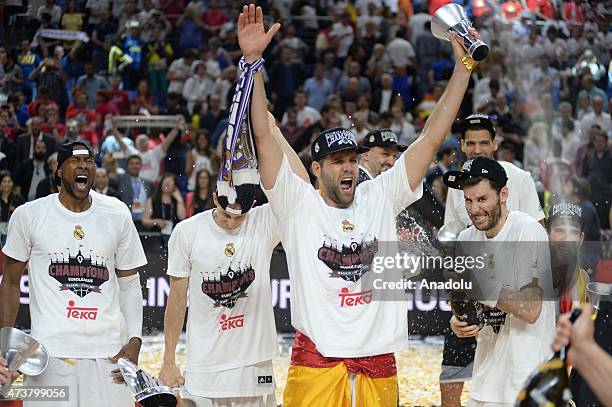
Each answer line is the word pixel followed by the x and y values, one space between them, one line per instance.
pixel 336 360
pixel 83 253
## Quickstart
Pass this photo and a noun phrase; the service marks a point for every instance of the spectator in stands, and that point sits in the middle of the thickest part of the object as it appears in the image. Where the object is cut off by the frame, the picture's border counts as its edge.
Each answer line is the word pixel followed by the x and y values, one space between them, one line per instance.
pixel 589 89
pixel 400 51
pixel 102 184
pixel 383 95
pixel 28 62
pixel 103 29
pixel 7 147
pixel 287 78
pixel 158 53
pixel 10 199
pixel 342 36
pixel 213 69
pixel 354 71
pixel 71 20
pixel 536 148
pixel 566 112
pixel 401 126
pixel 318 88
pixel 90 83
pixel 201 199
pixel 48 185
pixel 31 171
pixel 192 29
pixel 117 96
pixel 198 158
pixel 289 39
pixel 597 170
pixel 291 129
pixel 11 76
pixel 597 116
pixel 133 189
pixel 570 143
pixel 331 71
pixel 507 153
pixel 306 115
pixel 445 158
pixel 213 115
pixel 80 111
pixel 52 126
pixel 165 208
pixel 143 103
pixel 152 157
pixel 198 87
pixel 213 18
pixel 225 85
pixel 26 142
pixel 179 71
pixel 53 10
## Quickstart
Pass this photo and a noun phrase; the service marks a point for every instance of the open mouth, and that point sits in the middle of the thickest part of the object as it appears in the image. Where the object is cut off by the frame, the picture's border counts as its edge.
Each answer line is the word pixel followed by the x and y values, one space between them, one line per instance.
pixel 346 183
pixel 479 218
pixel 81 182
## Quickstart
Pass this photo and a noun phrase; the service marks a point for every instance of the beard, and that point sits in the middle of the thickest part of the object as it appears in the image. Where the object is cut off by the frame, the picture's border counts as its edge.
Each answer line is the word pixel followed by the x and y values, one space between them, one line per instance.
pixel 494 216
pixel 563 261
pixel 38 156
pixel 332 188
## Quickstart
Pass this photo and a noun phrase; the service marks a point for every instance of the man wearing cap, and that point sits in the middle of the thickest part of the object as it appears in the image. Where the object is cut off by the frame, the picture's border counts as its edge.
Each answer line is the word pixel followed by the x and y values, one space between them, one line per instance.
pixel 478 139
pixel 343 351
pixel 565 226
pixel 513 285
pixel 219 260
pixel 381 154
pixel 83 254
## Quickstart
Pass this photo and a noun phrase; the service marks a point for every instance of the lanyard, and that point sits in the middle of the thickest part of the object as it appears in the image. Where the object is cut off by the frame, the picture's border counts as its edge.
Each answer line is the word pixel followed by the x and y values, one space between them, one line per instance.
pixel 136 185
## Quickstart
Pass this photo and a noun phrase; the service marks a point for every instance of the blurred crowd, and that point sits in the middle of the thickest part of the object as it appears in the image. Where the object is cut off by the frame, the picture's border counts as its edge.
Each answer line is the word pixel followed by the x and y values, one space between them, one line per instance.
pixel 69 67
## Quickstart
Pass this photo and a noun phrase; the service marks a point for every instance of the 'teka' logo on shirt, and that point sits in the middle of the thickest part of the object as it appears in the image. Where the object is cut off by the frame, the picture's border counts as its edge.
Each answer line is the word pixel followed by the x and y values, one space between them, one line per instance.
pixel 226 322
pixel 348 299
pixel 84 313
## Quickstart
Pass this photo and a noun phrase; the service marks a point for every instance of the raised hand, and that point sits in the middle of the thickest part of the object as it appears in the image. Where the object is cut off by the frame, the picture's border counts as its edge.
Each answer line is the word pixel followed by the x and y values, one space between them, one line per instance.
pixel 252 35
pixel 459 49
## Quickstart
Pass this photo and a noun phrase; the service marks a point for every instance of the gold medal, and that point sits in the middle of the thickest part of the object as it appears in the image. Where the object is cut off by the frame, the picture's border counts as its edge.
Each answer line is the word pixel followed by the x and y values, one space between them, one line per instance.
pixel 347 226
pixel 229 250
pixel 78 232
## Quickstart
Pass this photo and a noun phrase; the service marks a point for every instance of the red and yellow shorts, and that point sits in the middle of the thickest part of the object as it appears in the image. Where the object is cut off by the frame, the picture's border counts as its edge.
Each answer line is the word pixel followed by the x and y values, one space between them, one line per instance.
pixel 315 380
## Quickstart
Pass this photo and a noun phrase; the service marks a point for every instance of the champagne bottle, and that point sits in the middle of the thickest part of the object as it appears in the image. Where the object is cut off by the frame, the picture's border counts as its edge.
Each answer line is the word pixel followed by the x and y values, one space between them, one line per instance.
pixel 548 386
pixel 467 310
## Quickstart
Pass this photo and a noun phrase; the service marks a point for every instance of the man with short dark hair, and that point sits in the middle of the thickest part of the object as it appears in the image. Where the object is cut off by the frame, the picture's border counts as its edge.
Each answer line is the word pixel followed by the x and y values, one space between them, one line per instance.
pixel 83 254
pixel 133 189
pixel 478 140
pixel 511 286
pixel 31 172
pixel 598 171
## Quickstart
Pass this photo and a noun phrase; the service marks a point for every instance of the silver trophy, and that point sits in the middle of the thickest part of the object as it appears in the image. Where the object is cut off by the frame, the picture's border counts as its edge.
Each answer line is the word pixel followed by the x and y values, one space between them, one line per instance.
pixel 452 18
pixel 147 389
pixel 22 353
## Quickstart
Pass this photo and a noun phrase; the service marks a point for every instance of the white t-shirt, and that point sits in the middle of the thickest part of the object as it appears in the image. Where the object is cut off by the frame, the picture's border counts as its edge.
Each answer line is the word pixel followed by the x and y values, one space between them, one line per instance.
pixel 74 292
pixel 344 34
pixel 231 320
pixel 151 162
pixel 504 360
pixel 522 196
pixel 324 247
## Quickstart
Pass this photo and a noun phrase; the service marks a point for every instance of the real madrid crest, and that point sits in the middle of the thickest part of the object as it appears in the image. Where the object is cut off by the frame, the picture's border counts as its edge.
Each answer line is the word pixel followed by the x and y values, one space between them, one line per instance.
pixel 347 226
pixel 229 250
pixel 372 138
pixel 78 232
pixel 316 148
